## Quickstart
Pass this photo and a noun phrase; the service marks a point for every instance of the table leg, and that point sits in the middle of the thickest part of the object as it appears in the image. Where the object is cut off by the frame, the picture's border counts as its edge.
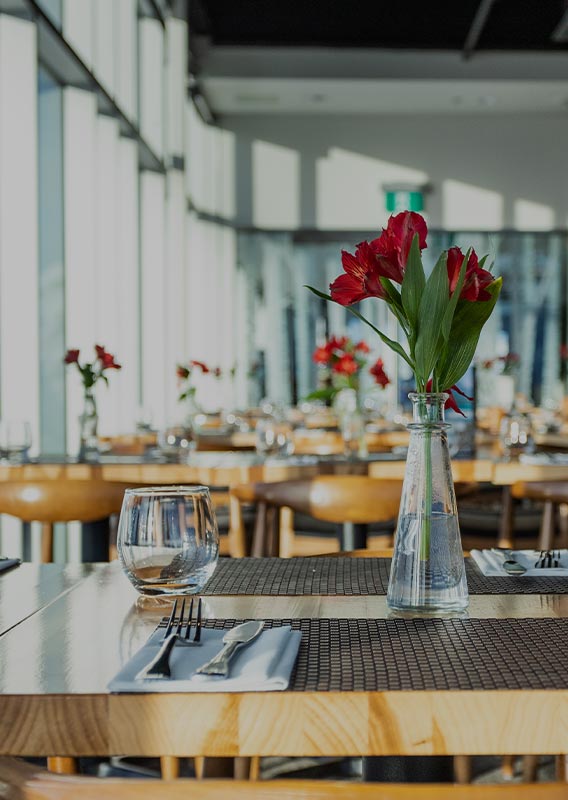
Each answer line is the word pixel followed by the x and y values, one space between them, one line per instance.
pixel 169 767
pixel 62 765
pixel 95 537
pixel 258 548
pixel 546 535
pixel 506 534
pixel 352 536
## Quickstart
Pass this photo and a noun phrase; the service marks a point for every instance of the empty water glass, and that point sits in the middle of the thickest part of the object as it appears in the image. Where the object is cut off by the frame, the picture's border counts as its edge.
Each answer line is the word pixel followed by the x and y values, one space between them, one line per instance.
pixel 175 441
pixel 273 438
pixel 168 540
pixel 15 440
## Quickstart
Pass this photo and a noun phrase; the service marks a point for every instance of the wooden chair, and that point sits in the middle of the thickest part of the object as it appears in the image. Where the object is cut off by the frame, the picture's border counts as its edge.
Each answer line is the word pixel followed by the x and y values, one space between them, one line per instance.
pixel 51 501
pixel 329 498
pixel 554 495
pixel 22 781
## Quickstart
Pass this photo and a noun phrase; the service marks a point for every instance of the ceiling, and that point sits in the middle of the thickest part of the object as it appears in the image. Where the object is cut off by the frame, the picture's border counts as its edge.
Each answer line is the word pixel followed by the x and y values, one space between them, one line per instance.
pixel 370 56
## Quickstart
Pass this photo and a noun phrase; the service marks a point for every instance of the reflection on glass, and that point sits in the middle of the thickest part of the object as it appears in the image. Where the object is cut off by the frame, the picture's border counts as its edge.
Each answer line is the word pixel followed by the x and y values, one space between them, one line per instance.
pixel 273 437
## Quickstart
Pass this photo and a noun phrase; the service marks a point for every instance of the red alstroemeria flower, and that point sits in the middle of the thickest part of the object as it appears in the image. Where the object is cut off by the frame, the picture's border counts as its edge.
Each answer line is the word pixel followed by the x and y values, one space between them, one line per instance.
pixel 322 354
pixel 362 347
pixel 362 277
pixel 217 372
pixel 182 372
pixel 72 357
pixel 337 343
pixel 476 278
pixel 200 365
pixel 379 374
pixel 451 401
pixel 393 245
pixel 346 365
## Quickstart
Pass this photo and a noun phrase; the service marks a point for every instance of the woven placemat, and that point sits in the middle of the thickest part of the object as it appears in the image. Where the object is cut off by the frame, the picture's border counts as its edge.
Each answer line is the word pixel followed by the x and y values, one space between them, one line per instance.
pixel 423 654
pixel 347 576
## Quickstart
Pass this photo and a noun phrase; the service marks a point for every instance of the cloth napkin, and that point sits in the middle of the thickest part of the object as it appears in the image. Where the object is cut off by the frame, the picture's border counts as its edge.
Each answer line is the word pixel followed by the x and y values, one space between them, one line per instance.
pixel 9 563
pixel 490 562
pixel 265 665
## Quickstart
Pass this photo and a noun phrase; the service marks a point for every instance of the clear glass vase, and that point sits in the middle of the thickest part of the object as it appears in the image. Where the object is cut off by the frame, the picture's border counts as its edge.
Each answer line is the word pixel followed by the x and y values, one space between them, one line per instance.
pixel 428 571
pixel 89 449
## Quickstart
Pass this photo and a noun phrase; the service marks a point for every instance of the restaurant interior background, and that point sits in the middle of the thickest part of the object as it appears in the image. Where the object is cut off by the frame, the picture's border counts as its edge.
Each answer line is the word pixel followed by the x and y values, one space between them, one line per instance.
pixel 173 173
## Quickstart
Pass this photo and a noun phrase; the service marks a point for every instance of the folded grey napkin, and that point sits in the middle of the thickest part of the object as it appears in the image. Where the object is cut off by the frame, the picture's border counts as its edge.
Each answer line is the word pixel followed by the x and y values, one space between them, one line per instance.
pixel 265 665
pixel 9 563
pixel 490 562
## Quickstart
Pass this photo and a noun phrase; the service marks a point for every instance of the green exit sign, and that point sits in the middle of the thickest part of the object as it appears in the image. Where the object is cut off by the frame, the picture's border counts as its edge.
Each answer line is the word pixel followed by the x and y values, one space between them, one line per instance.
pixel 404 200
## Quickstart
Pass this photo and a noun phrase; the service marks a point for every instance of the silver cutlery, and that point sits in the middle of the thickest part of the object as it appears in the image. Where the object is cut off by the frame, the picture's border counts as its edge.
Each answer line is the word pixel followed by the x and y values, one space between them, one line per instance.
pixel 159 667
pixel 548 559
pixel 510 565
pixel 233 640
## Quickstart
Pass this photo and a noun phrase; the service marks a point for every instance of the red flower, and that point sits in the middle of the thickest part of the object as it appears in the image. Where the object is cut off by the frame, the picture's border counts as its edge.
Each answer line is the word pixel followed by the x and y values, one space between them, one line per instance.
pixel 379 374
pixel 564 351
pixel 346 365
pixel 217 372
pixel 362 347
pixel 451 401
pixel 362 277
pixel 336 343
pixel 72 357
pixel 182 372
pixel 393 245
pixel 476 278
pixel 200 365
pixel 322 354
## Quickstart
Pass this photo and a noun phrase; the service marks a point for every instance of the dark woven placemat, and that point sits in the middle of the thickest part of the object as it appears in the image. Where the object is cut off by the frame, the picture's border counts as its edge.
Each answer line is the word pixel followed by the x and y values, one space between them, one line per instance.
pixel 421 654
pixel 347 576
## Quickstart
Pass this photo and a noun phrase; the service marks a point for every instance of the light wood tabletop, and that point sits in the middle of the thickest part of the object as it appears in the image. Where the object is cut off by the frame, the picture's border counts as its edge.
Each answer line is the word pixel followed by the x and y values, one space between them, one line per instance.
pixel 56 663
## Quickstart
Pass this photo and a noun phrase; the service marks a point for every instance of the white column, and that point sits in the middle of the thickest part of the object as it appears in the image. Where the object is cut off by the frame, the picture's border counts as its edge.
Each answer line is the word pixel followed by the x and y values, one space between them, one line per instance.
pixel 107 41
pixel 19 367
pixel 126 283
pixel 153 308
pixel 80 180
pixel 126 57
pixel 78 19
pixel 108 312
pixel 151 71
pixel 175 291
pixel 176 76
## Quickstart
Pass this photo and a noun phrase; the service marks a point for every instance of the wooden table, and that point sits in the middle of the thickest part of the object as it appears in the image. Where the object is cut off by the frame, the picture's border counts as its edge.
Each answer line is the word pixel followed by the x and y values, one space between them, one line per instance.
pixel 55 665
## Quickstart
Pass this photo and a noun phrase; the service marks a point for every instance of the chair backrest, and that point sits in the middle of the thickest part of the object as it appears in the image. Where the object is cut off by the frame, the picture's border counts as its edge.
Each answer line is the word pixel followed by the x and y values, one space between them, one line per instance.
pixel 331 498
pixel 22 781
pixel 61 500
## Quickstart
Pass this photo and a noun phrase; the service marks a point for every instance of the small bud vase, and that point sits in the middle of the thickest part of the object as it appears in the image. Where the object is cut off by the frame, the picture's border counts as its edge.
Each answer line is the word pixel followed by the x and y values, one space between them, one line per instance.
pixel 88 421
pixel 428 571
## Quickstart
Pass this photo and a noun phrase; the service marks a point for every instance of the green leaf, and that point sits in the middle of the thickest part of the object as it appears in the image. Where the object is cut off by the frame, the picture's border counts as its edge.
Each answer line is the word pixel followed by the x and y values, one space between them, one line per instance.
pixel 322 394
pixel 433 305
pixel 398 349
pixel 468 322
pixel 449 315
pixel 413 283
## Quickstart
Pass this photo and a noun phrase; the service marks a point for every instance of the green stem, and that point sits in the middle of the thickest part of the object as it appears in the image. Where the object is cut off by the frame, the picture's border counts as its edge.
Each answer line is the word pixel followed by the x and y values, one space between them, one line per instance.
pixel 427 510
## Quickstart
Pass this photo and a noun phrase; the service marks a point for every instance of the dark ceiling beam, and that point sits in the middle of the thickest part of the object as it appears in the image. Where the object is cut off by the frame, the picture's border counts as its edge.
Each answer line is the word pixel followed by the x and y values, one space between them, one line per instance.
pixel 476 27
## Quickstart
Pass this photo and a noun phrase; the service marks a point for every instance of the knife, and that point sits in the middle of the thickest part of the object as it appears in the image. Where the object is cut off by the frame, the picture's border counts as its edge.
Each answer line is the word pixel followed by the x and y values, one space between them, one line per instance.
pixel 233 640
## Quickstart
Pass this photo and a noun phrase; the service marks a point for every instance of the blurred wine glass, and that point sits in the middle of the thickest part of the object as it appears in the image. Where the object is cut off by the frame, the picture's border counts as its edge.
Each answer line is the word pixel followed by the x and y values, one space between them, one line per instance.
pixel 273 437
pixel 15 440
pixel 168 540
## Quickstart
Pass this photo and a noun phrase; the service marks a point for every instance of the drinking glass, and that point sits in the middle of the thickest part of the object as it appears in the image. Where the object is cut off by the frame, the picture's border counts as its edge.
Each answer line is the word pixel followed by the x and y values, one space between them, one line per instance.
pixel 15 440
pixel 273 438
pixel 175 441
pixel 168 540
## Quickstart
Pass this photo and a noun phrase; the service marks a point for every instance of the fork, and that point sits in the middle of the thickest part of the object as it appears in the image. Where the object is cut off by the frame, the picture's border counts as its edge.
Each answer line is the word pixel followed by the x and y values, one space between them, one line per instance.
pixel 159 666
pixel 548 559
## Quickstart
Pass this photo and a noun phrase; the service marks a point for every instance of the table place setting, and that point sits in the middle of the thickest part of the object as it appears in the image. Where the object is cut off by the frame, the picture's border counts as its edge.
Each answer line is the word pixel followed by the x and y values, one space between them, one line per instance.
pixel 521 563
pixel 263 663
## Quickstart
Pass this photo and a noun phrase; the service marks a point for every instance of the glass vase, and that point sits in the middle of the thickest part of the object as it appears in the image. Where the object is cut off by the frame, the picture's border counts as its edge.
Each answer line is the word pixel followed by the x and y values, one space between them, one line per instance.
pixel 428 571
pixel 88 422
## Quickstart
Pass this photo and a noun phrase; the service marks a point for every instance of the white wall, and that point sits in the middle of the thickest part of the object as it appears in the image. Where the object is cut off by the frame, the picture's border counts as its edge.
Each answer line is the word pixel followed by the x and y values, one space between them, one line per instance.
pixel 486 171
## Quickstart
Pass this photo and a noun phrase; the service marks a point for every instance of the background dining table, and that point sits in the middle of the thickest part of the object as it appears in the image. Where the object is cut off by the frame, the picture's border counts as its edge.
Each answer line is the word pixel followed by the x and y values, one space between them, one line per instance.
pixel 65 634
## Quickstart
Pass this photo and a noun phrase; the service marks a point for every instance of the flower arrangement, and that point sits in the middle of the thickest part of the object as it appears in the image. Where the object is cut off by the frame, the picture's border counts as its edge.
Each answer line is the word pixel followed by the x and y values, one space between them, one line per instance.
pixel 185 375
pixel 441 316
pixel 342 363
pixel 93 371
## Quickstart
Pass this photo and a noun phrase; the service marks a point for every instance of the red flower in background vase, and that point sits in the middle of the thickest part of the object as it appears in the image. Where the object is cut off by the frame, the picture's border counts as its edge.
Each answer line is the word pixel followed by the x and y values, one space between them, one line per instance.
pixel 322 354
pixel 362 347
pixel 200 365
pixel 346 365
pixel 379 374
pixel 92 371
pixel 72 357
